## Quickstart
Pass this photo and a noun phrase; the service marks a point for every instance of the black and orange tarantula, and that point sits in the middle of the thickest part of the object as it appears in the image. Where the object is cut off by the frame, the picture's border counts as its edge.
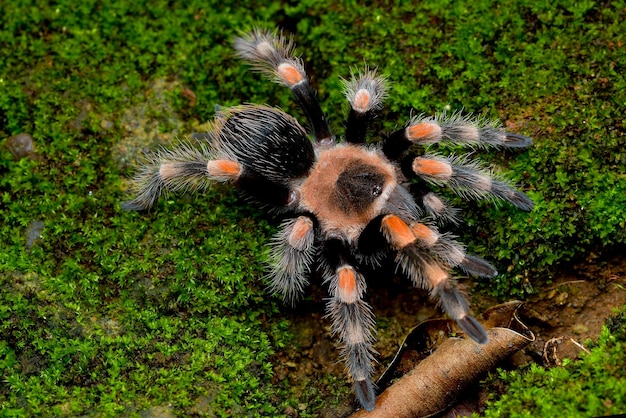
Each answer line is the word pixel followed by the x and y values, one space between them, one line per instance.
pixel 347 204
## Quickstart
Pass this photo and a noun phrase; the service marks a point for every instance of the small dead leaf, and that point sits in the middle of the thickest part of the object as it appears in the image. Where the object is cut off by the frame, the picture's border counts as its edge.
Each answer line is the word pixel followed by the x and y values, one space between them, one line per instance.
pixel 449 365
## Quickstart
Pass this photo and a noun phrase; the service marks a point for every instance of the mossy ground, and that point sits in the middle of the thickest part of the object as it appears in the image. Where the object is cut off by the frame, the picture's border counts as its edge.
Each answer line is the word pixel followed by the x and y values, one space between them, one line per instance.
pixel 592 386
pixel 104 312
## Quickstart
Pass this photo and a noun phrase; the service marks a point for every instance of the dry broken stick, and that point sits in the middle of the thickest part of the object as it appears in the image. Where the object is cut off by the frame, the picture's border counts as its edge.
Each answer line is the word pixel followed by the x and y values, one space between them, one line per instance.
pixel 436 382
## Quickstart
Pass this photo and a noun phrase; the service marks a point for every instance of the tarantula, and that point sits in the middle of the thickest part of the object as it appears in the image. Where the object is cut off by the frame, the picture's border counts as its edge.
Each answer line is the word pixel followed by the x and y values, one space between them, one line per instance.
pixel 348 204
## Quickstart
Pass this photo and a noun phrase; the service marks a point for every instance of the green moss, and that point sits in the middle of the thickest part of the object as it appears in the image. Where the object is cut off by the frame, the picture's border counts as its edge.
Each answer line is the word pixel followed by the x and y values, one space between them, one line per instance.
pixel 593 386
pixel 101 303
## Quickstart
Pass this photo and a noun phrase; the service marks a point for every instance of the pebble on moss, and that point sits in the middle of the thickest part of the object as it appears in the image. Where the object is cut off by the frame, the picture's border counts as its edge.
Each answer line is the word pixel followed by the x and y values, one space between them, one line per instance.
pixel 33 232
pixel 21 145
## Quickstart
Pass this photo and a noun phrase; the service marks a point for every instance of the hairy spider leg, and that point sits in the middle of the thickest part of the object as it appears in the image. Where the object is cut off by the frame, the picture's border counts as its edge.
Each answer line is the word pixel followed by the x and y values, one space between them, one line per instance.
pixel 274 55
pixel 365 95
pixel 427 272
pixel 462 130
pixel 448 250
pixel 456 129
pixel 435 206
pixel 467 178
pixel 186 168
pixel 291 257
pixel 352 319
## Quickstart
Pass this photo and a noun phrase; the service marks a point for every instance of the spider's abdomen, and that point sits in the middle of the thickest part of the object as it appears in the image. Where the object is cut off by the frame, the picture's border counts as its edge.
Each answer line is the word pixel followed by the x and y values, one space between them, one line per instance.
pixel 266 141
pixel 271 147
pixel 347 188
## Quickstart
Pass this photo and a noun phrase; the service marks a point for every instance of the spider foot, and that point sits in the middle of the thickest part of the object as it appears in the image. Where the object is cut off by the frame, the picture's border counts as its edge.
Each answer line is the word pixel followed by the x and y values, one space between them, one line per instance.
pixel 456 306
pixel 365 394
